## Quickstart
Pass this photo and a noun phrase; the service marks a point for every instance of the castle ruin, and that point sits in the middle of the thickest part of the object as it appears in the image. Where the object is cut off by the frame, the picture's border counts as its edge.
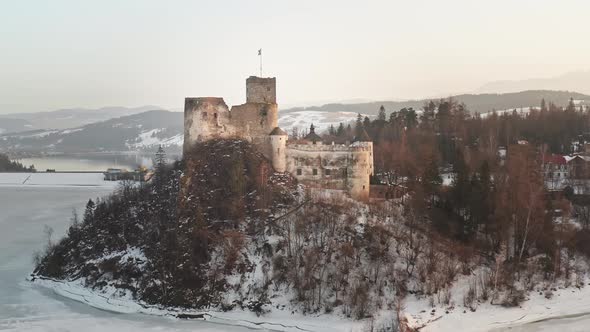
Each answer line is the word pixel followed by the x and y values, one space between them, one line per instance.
pixel 313 162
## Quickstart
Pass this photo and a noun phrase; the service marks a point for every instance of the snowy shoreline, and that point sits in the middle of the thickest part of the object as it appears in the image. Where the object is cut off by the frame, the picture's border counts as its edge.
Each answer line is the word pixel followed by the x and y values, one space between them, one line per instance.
pixel 274 321
pixel 565 303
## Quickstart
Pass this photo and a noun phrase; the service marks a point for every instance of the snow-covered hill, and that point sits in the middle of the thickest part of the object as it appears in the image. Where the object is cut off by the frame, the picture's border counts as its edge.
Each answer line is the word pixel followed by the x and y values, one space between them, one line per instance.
pixel 320 119
pixel 144 131
pixel 65 118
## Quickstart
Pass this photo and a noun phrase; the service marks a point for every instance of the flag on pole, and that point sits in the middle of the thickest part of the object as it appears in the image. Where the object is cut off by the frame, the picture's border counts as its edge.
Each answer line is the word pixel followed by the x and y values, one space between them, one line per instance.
pixel 260 55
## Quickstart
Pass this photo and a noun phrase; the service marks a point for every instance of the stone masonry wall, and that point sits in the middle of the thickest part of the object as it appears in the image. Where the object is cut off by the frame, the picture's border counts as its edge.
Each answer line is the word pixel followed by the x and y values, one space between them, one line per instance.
pixel 205 118
pixel 261 90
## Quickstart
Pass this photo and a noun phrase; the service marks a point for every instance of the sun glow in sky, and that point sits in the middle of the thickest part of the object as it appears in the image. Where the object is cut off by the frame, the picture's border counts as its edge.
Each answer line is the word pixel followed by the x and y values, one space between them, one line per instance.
pixel 69 53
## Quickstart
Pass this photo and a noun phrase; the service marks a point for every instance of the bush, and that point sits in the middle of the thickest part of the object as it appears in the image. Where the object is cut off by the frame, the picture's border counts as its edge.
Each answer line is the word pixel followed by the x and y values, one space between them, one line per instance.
pixel 513 298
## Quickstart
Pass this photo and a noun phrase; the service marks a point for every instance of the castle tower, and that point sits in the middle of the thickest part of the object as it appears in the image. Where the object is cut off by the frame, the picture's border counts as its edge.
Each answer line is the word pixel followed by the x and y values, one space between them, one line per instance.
pixel 278 143
pixel 255 119
pixel 261 90
pixel 361 167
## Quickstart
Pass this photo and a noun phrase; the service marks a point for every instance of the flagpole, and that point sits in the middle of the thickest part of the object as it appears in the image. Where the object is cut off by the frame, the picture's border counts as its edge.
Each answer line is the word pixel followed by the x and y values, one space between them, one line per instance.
pixel 260 53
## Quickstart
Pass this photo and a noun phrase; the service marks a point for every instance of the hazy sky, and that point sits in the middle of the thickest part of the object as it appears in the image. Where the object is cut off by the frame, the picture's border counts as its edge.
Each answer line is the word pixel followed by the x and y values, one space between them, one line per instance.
pixel 61 53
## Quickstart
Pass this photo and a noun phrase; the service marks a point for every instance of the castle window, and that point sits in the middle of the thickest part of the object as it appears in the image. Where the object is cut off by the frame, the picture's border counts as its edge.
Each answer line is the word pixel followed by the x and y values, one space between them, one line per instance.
pixel 204 115
pixel 363 187
pixel 299 171
pixel 328 171
pixel 215 115
pixel 315 171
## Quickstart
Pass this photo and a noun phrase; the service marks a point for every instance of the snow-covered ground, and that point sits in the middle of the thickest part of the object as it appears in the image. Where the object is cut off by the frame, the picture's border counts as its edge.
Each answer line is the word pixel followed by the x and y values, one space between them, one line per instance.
pixel 149 139
pixel 55 179
pixel 522 111
pixel 568 307
pixel 321 120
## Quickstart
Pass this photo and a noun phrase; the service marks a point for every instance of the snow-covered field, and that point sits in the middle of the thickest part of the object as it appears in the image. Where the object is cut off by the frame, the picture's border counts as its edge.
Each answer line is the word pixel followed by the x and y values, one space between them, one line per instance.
pixel 55 179
pixel 321 120
pixel 149 139
pixel 522 111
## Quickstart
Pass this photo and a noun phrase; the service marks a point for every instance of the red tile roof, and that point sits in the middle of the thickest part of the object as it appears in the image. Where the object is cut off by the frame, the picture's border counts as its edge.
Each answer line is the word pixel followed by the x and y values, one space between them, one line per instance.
pixel 555 159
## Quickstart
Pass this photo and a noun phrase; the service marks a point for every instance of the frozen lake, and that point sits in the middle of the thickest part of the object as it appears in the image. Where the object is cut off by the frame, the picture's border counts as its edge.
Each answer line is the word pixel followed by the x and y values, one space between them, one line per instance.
pixel 89 162
pixel 24 211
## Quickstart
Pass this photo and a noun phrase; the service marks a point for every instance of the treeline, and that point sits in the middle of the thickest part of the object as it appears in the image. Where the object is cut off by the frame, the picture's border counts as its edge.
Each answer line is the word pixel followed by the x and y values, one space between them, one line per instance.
pixel 7 165
pixel 494 202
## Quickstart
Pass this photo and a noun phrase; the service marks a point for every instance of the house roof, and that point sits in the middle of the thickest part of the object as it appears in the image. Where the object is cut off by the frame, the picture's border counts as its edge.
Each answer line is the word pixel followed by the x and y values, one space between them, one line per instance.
pixel 555 159
pixel 312 137
pixel 278 132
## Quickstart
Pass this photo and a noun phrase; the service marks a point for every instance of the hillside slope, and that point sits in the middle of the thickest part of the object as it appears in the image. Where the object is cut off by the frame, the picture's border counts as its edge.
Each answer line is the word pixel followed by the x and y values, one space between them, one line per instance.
pixel 138 132
pixel 475 102
pixel 68 118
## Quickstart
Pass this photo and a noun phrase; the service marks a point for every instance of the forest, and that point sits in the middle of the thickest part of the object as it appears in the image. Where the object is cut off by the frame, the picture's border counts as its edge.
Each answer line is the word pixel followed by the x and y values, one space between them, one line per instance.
pixel 7 165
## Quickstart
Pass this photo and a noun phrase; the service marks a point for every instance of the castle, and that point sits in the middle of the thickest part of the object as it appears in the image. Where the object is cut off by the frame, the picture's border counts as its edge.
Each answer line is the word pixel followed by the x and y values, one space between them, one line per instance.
pixel 313 162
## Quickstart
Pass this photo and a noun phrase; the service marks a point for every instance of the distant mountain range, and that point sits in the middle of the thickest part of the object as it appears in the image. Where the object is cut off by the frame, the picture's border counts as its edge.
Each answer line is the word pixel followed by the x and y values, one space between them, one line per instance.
pixel 138 132
pixel 65 118
pixel 481 103
pixel 106 130
pixel 573 81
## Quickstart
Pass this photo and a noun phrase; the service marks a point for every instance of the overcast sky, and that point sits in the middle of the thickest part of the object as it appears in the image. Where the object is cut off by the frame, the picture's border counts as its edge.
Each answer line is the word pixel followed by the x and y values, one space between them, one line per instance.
pixel 61 53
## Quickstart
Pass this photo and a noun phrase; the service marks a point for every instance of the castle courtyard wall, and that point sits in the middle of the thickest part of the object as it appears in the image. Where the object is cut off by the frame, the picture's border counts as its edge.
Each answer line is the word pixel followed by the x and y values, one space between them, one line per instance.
pixel 337 166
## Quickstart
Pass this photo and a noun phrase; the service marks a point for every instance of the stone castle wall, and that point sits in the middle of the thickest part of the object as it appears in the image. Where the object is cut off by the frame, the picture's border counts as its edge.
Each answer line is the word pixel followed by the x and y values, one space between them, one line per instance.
pixel 261 90
pixel 209 117
pixel 205 118
pixel 345 167
pixel 335 166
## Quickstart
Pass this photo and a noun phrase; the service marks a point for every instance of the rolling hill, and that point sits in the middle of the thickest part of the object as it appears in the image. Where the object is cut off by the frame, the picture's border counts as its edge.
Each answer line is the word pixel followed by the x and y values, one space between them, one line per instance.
pixel 65 118
pixel 138 132
pixel 475 102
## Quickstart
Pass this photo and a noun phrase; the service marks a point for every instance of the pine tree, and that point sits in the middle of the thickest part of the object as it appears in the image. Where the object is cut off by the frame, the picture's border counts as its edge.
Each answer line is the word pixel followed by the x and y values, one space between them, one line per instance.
pixel 89 211
pixel 159 169
pixel 367 123
pixel 411 119
pixel 543 105
pixel 340 130
pixel 332 130
pixel 160 160
pixel 358 129
pixel 571 106
pixel 382 115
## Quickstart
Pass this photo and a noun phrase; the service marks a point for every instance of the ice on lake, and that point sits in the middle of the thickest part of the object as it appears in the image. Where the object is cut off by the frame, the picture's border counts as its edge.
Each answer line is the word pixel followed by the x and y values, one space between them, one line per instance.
pixel 24 212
